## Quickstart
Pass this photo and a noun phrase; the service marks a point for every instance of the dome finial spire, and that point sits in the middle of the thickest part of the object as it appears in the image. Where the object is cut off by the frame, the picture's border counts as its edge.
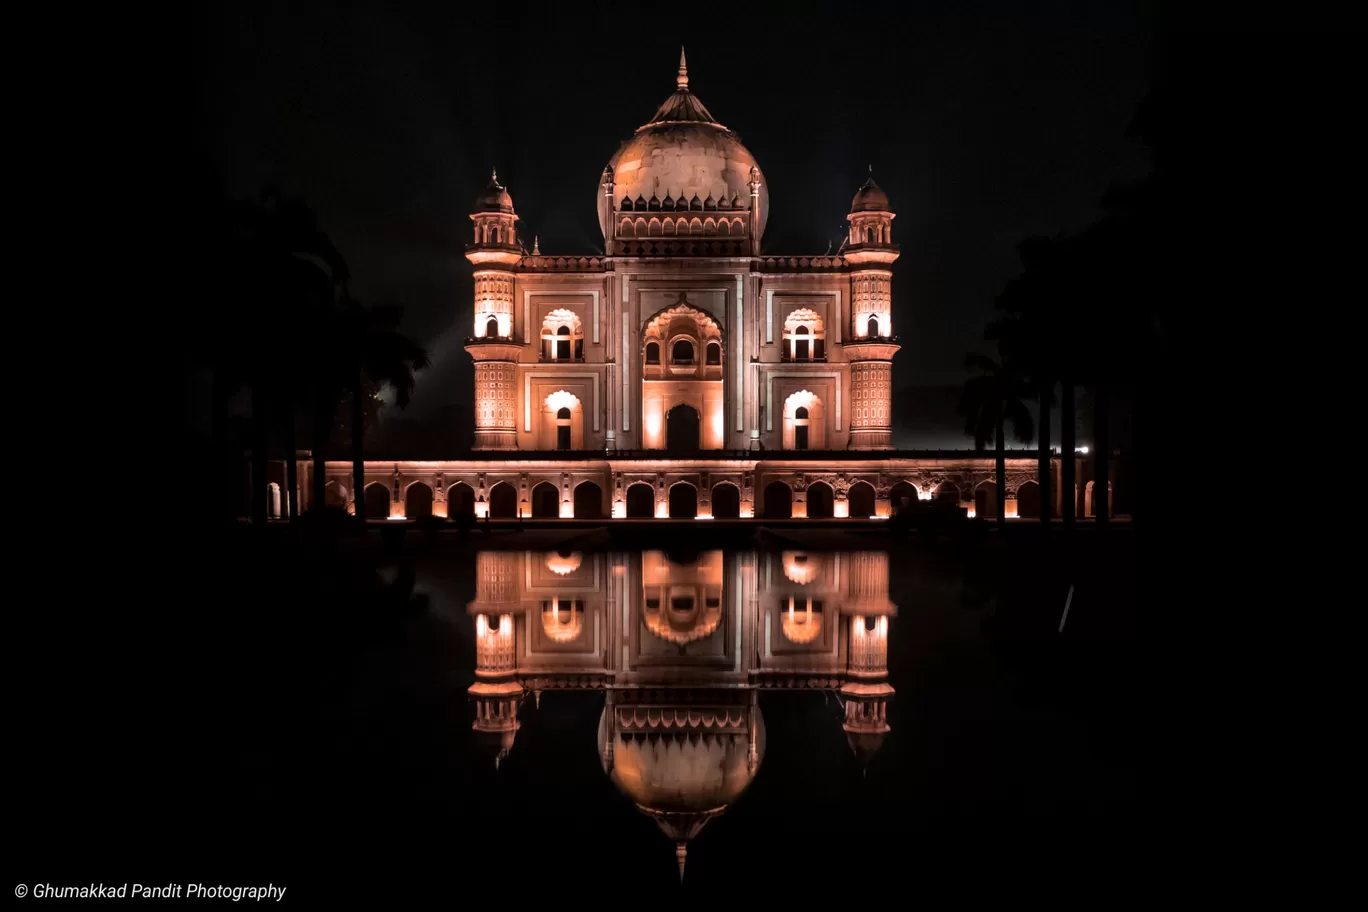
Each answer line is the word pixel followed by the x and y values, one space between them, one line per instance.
pixel 682 80
pixel 681 855
pixel 494 176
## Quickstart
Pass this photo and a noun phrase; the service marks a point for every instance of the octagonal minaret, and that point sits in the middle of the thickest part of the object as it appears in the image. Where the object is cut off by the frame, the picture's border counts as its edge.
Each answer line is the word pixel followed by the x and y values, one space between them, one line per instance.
pixel 870 252
pixel 495 254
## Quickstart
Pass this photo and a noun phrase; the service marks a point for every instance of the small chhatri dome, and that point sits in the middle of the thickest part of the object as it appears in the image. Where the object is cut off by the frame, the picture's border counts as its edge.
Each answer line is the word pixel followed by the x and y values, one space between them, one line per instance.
pixel 495 197
pixel 869 198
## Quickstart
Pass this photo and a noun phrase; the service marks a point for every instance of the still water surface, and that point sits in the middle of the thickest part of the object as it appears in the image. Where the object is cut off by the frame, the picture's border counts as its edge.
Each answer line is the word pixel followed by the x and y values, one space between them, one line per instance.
pixel 678 708
pixel 392 721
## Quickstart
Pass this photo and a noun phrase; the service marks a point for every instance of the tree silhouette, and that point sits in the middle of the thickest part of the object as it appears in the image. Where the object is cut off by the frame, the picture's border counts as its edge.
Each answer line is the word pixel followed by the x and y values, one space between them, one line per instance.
pixel 992 398
pixel 293 333
pixel 373 351
pixel 1038 334
pixel 276 278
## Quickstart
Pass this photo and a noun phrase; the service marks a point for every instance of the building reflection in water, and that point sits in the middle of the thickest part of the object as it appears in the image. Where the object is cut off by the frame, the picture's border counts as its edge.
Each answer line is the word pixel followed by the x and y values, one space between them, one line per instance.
pixel 681 649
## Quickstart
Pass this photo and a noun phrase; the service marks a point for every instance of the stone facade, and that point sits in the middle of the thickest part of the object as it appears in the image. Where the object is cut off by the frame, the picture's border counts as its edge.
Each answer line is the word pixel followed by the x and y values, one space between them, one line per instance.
pixel 681 651
pixel 684 336
pixel 708 486
pixel 684 373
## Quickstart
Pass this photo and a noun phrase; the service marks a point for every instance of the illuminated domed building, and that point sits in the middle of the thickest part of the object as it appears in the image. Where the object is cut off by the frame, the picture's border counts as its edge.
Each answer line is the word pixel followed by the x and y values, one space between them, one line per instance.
pixel 686 371
pixel 681 650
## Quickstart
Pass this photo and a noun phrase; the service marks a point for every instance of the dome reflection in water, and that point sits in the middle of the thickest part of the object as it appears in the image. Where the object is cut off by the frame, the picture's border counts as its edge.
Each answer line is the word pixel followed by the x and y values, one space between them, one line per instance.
pixel 682 648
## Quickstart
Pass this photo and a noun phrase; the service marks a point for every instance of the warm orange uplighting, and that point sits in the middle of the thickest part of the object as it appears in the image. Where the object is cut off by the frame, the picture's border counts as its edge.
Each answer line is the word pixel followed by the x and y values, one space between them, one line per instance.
pixel 561 399
pixel 801 625
pixel 801 567
pixel 676 623
pixel 564 564
pixel 562 621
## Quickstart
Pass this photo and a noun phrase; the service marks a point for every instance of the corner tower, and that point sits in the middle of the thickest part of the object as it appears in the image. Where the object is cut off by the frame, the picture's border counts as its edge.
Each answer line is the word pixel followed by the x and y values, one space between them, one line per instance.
pixel 870 252
pixel 495 254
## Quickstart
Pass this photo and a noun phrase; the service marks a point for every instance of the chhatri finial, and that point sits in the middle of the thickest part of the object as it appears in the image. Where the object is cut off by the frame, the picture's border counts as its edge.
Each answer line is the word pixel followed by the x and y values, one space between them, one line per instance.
pixel 536 251
pixel 682 80
pixel 681 855
pixel 494 176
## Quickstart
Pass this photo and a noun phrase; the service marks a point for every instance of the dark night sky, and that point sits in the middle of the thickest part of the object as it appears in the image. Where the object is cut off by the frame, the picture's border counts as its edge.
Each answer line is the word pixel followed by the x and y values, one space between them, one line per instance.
pixel 985 123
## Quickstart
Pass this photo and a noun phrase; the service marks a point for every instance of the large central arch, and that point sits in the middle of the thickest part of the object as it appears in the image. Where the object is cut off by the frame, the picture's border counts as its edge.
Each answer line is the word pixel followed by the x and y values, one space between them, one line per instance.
pixel 683 357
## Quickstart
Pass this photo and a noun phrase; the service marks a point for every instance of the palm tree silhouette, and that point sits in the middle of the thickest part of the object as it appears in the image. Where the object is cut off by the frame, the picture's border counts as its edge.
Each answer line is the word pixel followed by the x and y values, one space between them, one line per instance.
pixel 278 278
pixel 373 352
pixel 1038 334
pixel 990 400
pixel 301 342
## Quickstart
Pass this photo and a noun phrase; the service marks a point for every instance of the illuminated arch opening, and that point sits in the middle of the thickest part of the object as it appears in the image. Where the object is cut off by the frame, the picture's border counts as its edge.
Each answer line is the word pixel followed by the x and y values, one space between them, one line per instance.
pixel 804 336
pixel 804 427
pixel 562 336
pixel 562 422
pixel 562 619
pixel 802 620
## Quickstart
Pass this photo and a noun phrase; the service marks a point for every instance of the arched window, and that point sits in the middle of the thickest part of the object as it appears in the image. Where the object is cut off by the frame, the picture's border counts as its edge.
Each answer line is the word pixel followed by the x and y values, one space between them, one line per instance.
pixel 804 336
pixel 714 353
pixel 873 327
pixel 562 336
pixel 869 235
pixel 492 328
pixel 682 352
pixel 563 428
pixel 652 353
